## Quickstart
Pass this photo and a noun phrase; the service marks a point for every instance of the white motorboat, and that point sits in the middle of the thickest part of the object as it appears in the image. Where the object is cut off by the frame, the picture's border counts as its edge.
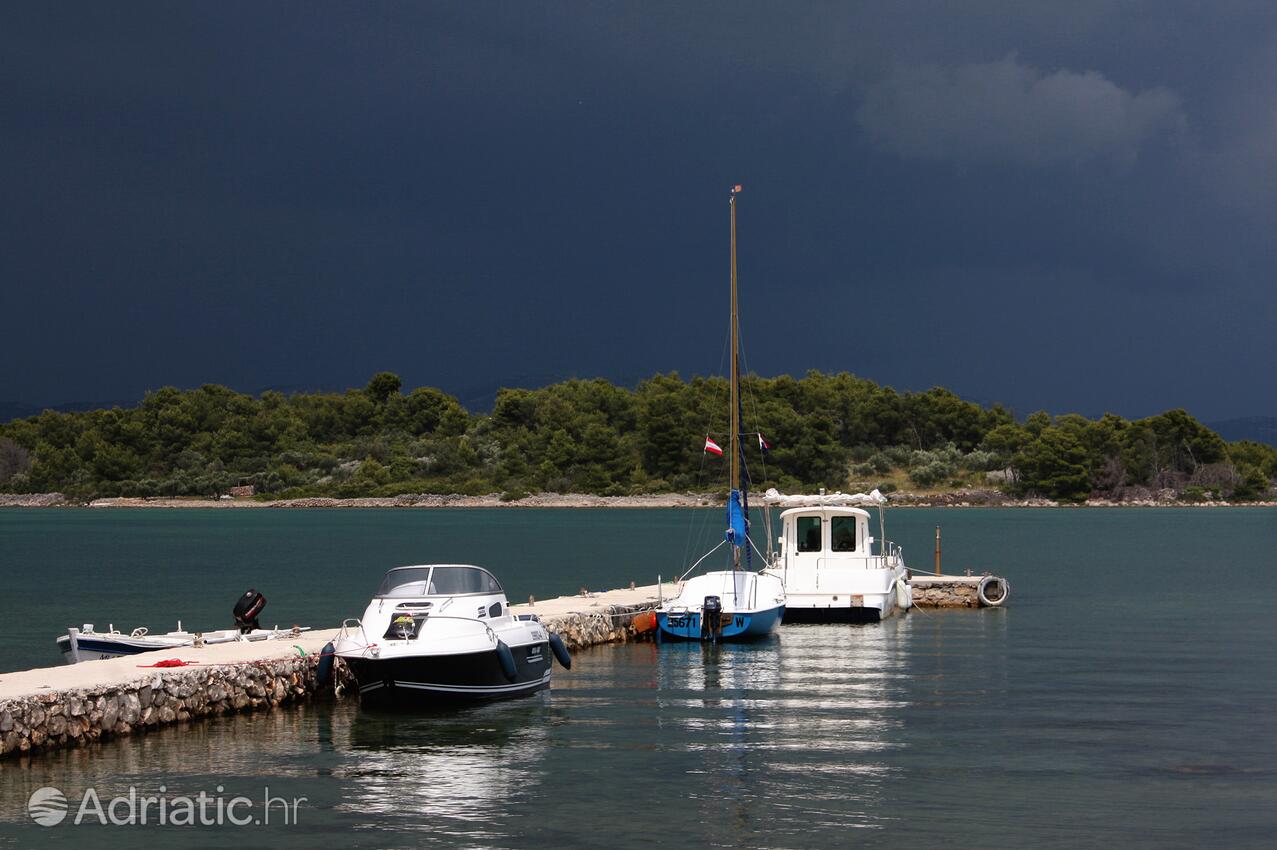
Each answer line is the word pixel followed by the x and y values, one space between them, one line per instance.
pixel 88 644
pixel 827 559
pixel 444 633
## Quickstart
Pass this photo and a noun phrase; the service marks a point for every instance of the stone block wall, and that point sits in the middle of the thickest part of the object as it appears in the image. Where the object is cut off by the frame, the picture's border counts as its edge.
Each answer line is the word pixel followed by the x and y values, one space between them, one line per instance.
pixel 78 717
pixel 613 625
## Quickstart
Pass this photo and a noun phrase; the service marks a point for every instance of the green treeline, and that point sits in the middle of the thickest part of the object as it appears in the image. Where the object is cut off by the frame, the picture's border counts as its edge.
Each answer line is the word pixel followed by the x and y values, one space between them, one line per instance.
pixel 834 431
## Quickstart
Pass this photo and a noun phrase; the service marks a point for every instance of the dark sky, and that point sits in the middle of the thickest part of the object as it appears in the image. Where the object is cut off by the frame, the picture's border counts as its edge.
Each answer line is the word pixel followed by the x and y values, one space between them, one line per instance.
pixel 1054 205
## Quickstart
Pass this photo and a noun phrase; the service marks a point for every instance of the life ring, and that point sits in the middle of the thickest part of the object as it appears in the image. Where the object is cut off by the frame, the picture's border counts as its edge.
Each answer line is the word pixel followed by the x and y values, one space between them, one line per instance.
pixel 1002 591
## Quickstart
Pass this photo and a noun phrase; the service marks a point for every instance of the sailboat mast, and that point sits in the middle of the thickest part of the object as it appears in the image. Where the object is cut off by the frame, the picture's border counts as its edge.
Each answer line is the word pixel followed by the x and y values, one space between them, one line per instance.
pixel 735 397
pixel 734 440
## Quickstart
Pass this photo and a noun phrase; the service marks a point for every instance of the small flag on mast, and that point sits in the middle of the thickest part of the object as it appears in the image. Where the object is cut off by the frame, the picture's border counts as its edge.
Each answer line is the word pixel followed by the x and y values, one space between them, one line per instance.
pixel 763 445
pixel 712 447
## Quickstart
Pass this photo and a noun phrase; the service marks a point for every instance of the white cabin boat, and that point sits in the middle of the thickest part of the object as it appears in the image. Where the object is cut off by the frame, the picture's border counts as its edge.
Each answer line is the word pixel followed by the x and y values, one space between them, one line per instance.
pixel 828 563
pixel 444 633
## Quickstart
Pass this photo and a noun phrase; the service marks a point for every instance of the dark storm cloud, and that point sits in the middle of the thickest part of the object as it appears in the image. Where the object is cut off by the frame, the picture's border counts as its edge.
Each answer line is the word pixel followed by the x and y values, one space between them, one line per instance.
pixel 1062 205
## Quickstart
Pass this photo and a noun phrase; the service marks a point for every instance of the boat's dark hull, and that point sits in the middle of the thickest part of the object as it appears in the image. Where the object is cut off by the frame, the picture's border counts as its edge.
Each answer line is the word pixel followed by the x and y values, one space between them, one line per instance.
pixel 425 680
pixel 867 614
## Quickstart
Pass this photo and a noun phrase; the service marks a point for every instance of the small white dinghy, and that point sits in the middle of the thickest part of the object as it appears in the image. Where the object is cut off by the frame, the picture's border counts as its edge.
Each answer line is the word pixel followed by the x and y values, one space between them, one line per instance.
pixel 88 644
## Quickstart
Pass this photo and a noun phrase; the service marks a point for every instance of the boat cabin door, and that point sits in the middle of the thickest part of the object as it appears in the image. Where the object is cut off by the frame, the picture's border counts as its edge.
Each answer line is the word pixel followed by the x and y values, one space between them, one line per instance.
pixel 809 545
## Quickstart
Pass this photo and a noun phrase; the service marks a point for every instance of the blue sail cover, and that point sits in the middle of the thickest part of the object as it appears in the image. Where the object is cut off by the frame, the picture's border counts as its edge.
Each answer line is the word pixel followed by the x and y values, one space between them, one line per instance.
pixel 737 523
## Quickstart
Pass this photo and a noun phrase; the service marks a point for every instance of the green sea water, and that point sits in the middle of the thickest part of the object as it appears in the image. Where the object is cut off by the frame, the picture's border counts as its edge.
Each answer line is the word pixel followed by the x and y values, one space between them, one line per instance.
pixel 1126 696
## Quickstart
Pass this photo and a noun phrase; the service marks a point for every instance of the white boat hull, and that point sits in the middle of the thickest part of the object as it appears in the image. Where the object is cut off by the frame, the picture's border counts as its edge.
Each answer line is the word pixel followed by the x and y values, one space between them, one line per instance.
pixel 87 645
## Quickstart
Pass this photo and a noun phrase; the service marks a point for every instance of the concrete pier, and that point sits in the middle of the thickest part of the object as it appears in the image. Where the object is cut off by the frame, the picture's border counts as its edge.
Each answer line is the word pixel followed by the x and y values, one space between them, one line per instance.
pixel 930 591
pixel 76 705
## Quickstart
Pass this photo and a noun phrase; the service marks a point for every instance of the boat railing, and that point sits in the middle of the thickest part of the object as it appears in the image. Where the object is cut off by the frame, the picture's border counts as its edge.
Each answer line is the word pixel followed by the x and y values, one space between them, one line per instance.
pixel 351 623
pixel 890 556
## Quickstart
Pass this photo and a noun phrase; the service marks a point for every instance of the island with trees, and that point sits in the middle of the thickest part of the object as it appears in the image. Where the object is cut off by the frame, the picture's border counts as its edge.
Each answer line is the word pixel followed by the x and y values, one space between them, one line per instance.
pixel 592 437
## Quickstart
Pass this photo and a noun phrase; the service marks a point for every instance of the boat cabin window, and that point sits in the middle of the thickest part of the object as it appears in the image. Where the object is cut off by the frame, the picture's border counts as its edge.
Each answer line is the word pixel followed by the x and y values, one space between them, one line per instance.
pixel 842 533
pixel 437 581
pixel 407 581
pixel 808 534
pixel 461 580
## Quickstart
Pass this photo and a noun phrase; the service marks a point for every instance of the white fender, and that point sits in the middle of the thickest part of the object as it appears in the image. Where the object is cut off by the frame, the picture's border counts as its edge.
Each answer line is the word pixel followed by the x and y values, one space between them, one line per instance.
pixel 904 594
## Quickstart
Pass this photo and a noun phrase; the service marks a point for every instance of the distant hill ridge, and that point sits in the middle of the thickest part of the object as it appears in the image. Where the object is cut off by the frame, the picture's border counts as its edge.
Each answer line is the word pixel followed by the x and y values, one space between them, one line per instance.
pixel 1260 429
pixel 11 410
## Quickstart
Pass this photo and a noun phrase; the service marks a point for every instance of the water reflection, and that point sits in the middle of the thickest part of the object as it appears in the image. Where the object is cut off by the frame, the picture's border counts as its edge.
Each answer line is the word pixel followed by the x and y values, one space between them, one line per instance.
pixel 185 759
pixel 786 742
pixel 458 774
pixel 821 702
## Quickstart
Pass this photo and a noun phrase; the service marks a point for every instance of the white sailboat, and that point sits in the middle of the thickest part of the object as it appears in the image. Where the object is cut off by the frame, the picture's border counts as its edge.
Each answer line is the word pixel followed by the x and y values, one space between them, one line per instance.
pixel 736 603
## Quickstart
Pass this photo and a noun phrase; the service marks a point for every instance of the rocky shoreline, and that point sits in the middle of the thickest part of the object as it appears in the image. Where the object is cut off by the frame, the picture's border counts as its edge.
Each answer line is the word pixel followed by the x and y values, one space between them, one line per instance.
pixel 955 499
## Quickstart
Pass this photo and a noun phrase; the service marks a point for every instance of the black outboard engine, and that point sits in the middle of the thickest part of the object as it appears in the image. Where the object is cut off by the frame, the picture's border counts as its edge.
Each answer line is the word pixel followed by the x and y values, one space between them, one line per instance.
pixel 712 618
pixel 247 609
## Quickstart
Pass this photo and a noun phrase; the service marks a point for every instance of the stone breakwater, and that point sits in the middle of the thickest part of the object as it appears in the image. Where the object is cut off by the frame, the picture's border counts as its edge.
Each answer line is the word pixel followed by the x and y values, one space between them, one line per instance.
pixel 613 624
pixel 80 716
pixel 952 591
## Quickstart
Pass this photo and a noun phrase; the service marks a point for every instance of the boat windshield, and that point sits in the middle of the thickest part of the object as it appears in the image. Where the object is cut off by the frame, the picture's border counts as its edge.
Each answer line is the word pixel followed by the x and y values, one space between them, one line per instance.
pixel 406 581
pixel 464 580
pixel 437 581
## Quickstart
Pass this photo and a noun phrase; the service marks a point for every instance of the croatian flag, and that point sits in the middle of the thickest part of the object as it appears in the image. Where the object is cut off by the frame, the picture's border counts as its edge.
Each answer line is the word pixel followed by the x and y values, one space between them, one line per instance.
pixel 763 445
pixel 712 447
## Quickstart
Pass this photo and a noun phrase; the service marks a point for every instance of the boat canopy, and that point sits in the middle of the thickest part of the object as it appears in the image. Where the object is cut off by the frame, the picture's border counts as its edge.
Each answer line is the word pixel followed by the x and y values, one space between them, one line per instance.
pixel 441 580
pixel 772 497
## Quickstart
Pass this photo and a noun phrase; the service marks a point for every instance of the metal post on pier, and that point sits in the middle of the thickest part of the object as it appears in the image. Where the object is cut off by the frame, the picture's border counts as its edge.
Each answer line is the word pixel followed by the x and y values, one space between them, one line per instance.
pixel 937 550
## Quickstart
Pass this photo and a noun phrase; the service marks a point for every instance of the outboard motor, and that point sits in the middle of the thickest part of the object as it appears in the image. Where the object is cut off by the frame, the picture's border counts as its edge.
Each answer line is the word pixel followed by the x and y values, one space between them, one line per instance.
pixel 247 609
pixel 712 618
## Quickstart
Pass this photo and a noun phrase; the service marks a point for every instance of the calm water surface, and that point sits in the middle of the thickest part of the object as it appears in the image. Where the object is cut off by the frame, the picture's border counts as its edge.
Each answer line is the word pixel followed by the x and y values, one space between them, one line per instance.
pixel 1125 698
